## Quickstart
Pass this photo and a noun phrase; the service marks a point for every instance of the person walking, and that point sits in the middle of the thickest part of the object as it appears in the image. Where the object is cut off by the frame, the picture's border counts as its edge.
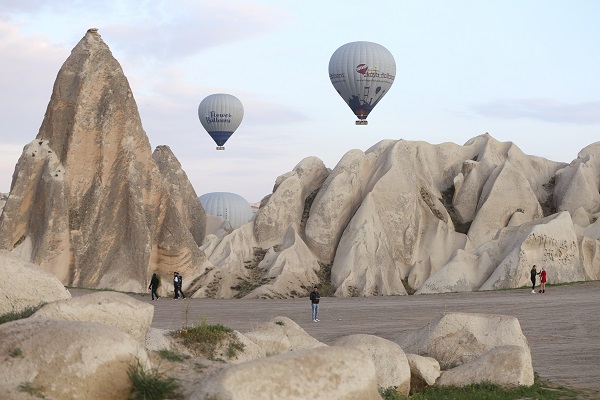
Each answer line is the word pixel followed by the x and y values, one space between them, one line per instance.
pixel 154 282
pixel 543 280
pixel 533 278
pixel 314 300
pixel 177 282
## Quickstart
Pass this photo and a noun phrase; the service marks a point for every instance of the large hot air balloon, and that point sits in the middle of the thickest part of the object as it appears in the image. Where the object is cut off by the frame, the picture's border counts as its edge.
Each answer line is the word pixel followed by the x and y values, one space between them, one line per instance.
pixel 362 73
pixel 230 206
pixel 220 114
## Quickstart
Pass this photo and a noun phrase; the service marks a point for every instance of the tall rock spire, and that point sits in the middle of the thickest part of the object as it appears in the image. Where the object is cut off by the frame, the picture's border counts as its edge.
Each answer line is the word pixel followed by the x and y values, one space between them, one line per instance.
pixel 88 201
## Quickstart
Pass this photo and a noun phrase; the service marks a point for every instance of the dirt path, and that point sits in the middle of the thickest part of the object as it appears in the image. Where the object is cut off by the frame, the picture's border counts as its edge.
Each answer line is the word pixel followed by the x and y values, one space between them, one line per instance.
pixel 562 325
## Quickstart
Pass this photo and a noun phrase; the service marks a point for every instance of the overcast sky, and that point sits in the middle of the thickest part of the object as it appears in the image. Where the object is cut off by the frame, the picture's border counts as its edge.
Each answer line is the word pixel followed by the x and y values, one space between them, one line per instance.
pixel 525 71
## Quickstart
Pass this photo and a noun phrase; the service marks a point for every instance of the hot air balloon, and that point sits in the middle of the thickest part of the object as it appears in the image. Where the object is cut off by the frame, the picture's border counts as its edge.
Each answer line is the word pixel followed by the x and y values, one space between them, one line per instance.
pixel 220 114
pixel 362 73
pixel 230 206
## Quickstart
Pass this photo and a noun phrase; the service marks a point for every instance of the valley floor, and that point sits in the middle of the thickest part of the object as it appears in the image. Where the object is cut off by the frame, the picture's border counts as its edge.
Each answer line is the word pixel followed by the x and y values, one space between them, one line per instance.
pixel 561 325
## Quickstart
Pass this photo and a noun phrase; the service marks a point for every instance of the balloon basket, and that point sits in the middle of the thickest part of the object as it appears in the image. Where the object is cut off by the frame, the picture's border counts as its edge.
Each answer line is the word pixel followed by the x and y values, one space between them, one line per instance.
pixel 220 147
pixel 362 122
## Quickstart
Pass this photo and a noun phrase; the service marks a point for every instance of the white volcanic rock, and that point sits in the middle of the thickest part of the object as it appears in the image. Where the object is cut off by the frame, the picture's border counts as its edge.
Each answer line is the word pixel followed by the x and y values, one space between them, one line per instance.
pixel 506 192
pixel 424 371
pixel 465 272
pixel 333 373
pixel 117 309
pixel 577 185
pixel 289 270
pixel 281 335
pixel 182 192
pixel 550 242
pixel 507 366
pixel 88 201
pixel 67 359
pixel 391 364
pixel 26 285
pixel 457 338
pixel 286 206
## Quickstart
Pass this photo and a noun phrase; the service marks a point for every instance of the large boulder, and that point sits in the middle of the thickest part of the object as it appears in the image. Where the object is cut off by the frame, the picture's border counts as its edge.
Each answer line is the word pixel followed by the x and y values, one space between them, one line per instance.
pixel 456 338
pixel 117 309
pixel 391 364
pixel 332 373
pixel 424 371
pixel 67 360
pixel 281 335
pixel 88 202
pixel 507 366
pixel 26 285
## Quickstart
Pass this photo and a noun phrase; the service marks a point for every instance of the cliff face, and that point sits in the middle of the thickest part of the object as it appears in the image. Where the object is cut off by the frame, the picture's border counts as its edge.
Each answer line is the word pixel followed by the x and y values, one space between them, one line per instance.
pixel 88 201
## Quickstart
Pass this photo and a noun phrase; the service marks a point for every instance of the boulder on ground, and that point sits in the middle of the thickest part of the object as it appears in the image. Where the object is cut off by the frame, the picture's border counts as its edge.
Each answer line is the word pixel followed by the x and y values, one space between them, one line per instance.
pixel 507 366
pixel 117 309
pixel 424 371
pixel 25 284
pixel 457 338
pixel 67 359
pixel 391 364
pixel 281 335
pixel 332 373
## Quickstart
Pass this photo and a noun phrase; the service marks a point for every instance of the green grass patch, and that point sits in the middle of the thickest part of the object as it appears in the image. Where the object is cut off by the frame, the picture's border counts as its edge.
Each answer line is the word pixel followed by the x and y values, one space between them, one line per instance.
pixel 16 352
pixel 27 387
pixel 152 385
pixel 172 356
pixel 206 339
pixel 16 315
pixel 540 390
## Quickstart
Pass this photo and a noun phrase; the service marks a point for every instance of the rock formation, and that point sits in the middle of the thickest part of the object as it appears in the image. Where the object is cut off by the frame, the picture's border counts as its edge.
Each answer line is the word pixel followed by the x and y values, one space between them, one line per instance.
pixel 406 217
pixel 88 202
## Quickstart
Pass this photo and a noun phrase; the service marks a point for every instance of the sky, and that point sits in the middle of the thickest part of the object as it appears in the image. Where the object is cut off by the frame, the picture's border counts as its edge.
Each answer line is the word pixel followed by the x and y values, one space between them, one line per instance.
pixel 525 71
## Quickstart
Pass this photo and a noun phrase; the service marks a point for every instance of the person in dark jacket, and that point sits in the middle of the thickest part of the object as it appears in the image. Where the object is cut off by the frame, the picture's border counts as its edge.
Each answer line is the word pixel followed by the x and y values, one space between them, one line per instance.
pixel 154 282
pixel 533 278
pixel 177 282
pixel 314 300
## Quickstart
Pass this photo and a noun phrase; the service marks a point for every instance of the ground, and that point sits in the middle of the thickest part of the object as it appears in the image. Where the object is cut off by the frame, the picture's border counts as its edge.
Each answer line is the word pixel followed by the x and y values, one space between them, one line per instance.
pixel 562 325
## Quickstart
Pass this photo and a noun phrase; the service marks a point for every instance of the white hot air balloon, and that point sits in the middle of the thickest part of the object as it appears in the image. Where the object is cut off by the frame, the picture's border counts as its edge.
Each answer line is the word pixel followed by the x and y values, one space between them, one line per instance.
pixel 220 114
pixel 362 73
pixel 230 206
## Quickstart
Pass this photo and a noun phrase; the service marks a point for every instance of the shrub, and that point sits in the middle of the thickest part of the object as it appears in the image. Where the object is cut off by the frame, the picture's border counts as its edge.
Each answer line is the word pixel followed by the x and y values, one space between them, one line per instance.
pixel 16 315
pixel 206 338
pixel 151 385
pixel 172 356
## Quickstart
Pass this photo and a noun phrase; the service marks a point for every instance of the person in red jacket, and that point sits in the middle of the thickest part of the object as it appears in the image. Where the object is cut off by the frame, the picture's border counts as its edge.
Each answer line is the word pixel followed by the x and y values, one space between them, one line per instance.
pixel 543 280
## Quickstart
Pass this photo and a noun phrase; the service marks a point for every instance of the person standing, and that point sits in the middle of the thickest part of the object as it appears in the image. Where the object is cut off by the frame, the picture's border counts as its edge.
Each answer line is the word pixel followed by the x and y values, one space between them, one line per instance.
pixel 543 280
pixel 177 282
pixel 314 300
pixel 533 278
pixel 154 282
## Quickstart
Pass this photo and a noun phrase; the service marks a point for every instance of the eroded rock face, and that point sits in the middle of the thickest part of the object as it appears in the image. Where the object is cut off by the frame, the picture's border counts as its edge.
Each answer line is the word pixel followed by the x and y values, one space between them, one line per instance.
pixel 88 202
pixel 457 338
pixel 26 285
pixel 67 359
pixel 424 371
pixel 391 364
pixel 326 373
pixel 117 309
pixel 281 335
pixel 507 366
pixel 182 192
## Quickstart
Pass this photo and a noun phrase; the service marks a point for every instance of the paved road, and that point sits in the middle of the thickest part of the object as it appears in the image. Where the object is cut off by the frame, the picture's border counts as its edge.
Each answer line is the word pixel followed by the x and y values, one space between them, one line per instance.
pixel 562 325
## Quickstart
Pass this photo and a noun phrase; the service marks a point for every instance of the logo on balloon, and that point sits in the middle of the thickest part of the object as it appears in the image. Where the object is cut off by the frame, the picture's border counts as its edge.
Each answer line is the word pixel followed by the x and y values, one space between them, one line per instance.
pixel 362 68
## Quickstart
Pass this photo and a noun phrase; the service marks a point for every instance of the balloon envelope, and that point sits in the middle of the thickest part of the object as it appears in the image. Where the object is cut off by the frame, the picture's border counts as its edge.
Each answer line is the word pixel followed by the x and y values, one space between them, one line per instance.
pixel 220 114
pixel 230 206
pixel 362 73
